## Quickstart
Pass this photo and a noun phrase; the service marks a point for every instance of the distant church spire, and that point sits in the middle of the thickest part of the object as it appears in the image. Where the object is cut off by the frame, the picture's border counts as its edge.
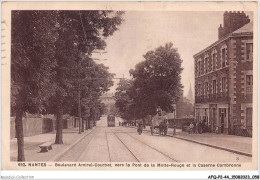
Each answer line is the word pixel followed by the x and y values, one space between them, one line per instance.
pixel 190 96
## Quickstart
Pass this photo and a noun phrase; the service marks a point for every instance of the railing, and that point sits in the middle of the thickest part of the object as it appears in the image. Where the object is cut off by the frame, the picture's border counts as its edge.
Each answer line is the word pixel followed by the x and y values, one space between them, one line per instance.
pixel 243 131
pixel 212 97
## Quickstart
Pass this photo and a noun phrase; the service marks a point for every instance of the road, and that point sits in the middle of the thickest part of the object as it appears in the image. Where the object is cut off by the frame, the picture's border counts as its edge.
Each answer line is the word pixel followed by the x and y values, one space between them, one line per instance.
pixel 123 144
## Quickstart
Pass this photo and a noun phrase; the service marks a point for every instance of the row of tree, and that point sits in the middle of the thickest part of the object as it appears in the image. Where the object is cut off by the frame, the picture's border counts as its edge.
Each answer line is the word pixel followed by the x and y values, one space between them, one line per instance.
pixel 156 81
pixel 51 66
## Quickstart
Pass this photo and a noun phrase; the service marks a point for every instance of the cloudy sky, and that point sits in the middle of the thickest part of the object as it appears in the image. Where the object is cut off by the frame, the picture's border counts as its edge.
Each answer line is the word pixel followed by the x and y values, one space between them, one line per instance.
pixel 190 32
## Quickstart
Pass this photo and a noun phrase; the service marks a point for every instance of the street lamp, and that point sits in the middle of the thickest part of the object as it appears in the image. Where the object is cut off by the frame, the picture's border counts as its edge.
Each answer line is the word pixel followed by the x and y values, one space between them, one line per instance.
pixel 174 119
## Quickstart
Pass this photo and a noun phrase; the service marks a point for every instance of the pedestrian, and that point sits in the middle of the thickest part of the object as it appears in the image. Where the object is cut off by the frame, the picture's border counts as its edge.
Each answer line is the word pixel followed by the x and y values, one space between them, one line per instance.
pixel 160 129
pixel 140 128
pixel 165 127
pixel 191 127
pixel 197 127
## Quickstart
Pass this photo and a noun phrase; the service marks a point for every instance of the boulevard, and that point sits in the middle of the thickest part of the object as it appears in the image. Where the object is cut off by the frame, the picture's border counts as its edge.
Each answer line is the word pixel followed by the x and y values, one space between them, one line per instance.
pixel 124 144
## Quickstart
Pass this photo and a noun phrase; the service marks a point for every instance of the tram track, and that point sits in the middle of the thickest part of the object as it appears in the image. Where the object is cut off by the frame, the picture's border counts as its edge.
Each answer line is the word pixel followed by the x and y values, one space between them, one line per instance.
pixel 71 147
pixel 108 147
pixel 83 152
pixel 126 146
pixel 158 151
pixel 173 159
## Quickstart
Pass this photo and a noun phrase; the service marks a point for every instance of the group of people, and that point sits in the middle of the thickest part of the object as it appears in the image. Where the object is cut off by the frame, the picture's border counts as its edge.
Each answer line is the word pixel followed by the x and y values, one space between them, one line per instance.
pixel 123 124
pixel 197 127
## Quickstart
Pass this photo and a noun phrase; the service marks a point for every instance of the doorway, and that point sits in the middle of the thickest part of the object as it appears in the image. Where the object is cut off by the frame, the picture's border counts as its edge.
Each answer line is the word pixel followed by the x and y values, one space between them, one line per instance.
pixel 222 119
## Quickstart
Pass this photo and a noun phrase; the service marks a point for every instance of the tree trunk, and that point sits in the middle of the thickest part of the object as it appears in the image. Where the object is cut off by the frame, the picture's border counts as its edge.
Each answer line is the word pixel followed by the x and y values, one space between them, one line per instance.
pixel 75 122
pixel 144 122
pixel 89 123
pixel 59 125
pixel 79 112
pixel 86 124
pixel 82 129
pixel 19 134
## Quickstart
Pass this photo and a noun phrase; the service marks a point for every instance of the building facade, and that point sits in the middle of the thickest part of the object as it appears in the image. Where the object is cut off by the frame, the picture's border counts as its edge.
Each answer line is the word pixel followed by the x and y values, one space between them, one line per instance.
pixel 224 77
pixel 109 100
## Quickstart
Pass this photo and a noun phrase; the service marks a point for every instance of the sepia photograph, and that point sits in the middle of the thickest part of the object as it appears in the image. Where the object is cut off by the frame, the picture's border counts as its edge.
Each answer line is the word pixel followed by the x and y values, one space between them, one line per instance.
pixel 119 88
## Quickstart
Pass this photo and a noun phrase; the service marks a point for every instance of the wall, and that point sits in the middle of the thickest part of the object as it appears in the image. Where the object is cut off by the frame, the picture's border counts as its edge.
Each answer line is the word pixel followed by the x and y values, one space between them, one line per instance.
pixel 179 122
pixel 39 125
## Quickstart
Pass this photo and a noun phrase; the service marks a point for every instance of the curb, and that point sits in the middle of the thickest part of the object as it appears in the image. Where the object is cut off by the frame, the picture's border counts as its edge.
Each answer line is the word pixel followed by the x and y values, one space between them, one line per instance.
pixel 217 147
pixel 55 158
pixel 209 145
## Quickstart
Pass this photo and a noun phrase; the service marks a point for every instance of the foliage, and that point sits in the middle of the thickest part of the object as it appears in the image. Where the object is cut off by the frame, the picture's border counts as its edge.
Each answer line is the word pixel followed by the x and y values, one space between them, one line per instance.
pixel 124 99
pixel 184 108
pixel 32 61
pixel 34 34
pixel 51 64
pixel 156 82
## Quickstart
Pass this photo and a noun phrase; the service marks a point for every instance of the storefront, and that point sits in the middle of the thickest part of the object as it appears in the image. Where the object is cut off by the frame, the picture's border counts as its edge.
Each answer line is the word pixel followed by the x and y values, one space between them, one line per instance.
pixel 214 116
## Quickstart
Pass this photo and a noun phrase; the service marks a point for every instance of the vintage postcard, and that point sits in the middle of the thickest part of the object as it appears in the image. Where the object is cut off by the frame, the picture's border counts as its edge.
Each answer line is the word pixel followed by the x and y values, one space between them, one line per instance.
pixel 129 86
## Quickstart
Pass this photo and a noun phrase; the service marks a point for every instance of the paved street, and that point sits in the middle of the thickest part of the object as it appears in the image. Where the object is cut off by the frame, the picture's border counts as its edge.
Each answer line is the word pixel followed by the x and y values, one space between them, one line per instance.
pixel 123 144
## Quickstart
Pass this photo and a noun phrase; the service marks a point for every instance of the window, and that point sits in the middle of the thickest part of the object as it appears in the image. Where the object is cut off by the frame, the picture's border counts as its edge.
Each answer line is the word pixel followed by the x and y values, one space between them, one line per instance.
pixel 199 93
pixel 249 51
pixel 207 67
pixel 248 117
pixel 249 84
pixel 206 89
pixel 214 61
pixel 199 67
pixel 223 54
pixel 224 84
pixel 197 90
pixel 214 86
pixel 202 66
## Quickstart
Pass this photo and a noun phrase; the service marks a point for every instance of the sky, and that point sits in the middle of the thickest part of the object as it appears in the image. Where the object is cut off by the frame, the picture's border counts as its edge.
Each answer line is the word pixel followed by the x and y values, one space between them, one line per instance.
pixel 141 31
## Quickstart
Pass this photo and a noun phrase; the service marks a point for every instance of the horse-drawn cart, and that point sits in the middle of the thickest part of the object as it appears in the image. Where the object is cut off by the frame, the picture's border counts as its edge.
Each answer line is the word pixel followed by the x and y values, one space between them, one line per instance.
pixel 159 124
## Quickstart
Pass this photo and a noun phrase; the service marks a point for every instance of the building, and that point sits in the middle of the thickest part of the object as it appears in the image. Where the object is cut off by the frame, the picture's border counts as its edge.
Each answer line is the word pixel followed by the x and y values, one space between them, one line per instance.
pixel 109 100
pixel 224 77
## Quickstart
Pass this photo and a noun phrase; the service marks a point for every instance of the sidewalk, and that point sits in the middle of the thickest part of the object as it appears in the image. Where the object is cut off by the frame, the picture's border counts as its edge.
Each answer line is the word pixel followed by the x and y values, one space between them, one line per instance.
pixel 236 144
pixel 32 149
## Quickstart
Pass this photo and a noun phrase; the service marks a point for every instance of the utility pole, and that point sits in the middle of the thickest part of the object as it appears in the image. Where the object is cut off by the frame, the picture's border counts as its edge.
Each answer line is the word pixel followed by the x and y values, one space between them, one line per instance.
pixel 79 111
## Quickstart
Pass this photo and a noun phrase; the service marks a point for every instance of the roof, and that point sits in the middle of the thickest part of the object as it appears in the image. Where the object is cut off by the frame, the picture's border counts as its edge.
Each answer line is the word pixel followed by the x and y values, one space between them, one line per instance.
pixel 243 31
pixel 246 28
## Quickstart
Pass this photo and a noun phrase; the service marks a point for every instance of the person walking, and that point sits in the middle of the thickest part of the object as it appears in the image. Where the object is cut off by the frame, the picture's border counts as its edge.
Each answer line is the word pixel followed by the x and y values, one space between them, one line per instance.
pixel 199 127
pixel 191 127
pixel 196 128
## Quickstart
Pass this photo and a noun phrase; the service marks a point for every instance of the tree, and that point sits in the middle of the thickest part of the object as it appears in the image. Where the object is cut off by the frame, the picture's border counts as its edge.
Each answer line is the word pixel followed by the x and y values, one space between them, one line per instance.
pixel 47 47
pixel 80 33
pixel 157 81
pixel 97 81
pixel 32 61
pixel 184 108
pixel 124 99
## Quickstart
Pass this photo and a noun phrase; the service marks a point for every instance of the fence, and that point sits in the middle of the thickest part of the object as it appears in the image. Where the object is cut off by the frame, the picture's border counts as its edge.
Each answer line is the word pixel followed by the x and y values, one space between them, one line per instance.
pixel 243 131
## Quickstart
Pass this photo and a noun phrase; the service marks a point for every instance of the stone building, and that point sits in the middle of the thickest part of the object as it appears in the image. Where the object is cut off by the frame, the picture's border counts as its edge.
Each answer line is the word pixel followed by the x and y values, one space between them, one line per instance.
pixel 224 77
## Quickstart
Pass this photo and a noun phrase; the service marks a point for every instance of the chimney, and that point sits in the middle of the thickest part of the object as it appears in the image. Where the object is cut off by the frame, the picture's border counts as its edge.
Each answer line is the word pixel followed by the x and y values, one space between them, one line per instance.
pixel 232 21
